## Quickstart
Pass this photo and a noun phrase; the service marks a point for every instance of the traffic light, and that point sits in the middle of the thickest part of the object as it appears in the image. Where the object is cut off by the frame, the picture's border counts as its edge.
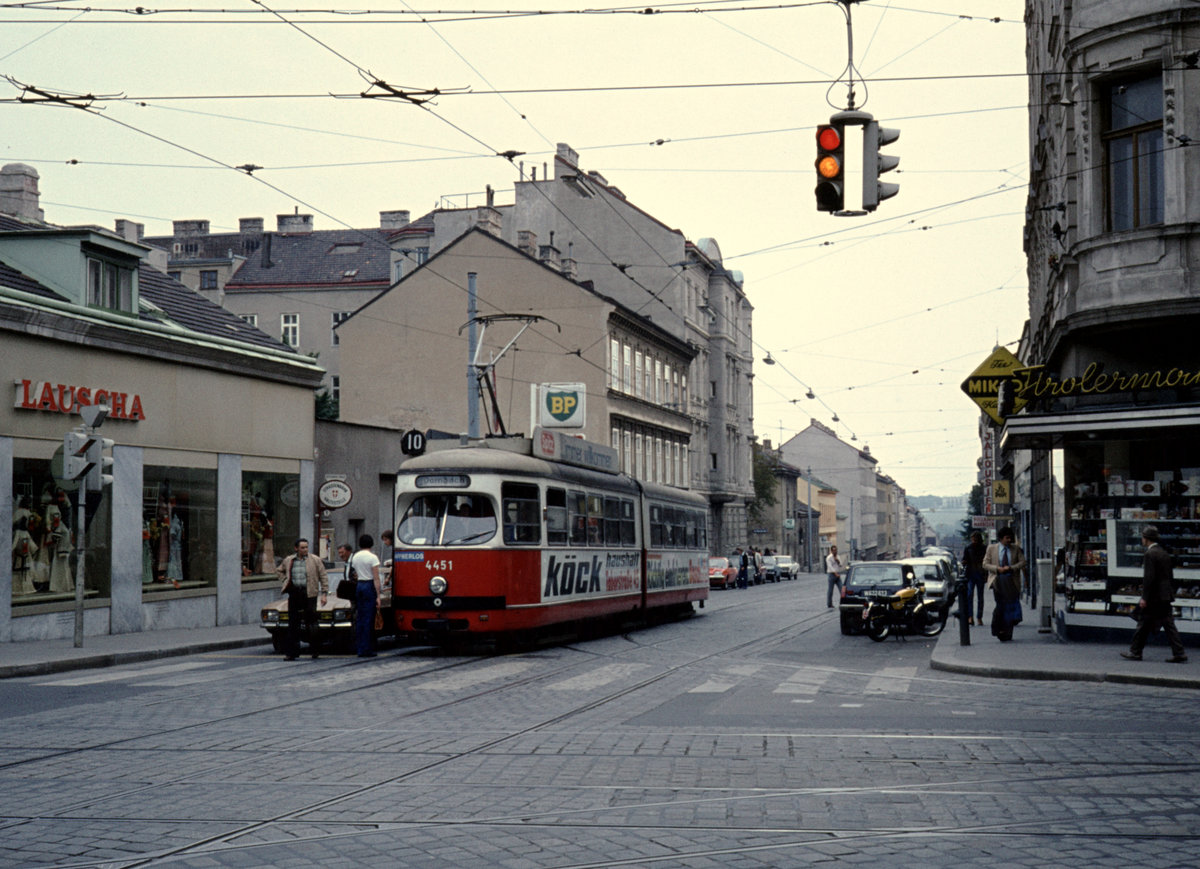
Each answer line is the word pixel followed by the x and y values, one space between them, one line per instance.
pixel 74 458
pixel 875 164
pixel 99 472
pixel 831 170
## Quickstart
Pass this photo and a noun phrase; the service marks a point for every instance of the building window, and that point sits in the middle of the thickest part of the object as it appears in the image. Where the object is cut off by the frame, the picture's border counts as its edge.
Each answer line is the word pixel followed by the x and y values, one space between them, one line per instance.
pixel 639 463
pixel 614 363
pixel 250 319
pixel 1133 141
pixel 335 387
pixel 627 370
pixel 346 247
pixel 208 279
pixel 658 390
pixel 291 329
pixel 637 374
pixel 336 319
pixel 175 276
pixel 627 452
pixel 109 285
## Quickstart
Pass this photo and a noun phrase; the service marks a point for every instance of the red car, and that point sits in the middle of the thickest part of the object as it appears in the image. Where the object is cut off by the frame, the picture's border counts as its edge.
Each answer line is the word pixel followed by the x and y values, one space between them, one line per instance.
pixel 721 573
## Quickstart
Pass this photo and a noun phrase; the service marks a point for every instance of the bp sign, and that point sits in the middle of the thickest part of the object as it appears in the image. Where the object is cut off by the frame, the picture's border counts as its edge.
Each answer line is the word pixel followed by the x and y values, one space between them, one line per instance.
pixel 989 380
pixel 562 405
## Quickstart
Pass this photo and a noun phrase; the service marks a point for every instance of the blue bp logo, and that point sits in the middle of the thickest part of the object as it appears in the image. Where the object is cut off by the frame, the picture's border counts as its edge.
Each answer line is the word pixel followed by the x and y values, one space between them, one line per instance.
pixel 562 405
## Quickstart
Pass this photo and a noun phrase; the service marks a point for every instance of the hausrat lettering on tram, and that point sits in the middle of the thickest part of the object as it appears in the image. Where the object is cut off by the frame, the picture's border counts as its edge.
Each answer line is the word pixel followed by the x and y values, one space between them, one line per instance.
pixel 572 576
pixel 66 398
pixel 1032 382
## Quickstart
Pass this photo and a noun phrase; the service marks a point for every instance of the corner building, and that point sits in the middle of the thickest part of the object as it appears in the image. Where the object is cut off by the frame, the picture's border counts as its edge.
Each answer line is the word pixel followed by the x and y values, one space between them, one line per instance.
pixel 1113 379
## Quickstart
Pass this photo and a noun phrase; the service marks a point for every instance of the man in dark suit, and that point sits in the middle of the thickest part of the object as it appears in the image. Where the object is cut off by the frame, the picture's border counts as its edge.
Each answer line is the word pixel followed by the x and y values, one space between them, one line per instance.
pixel 1158 591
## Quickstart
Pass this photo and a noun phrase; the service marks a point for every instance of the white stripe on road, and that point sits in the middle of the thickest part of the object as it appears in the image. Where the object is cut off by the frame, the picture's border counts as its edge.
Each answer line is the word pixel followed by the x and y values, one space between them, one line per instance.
pixel 475 676
pixel 116 675
pixel 598 678
pixel 804 682
pixel 891 680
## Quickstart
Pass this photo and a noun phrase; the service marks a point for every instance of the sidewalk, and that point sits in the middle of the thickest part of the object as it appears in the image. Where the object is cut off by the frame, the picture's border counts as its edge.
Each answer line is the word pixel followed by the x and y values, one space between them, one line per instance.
pixel 38 657
pixel 1034 655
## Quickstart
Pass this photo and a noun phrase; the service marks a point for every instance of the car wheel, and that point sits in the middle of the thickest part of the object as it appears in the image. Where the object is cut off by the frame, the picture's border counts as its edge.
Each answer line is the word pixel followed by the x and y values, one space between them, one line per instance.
pixel 278 643
pixel 847 625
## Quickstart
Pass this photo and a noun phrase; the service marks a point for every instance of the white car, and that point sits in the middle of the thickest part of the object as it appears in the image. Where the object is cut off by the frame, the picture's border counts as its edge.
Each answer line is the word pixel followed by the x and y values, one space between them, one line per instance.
pixel 786 567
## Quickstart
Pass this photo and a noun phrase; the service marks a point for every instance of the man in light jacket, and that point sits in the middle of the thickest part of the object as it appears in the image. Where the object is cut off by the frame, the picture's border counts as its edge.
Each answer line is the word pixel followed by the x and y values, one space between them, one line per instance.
pixel 1004 562
pixel 303 578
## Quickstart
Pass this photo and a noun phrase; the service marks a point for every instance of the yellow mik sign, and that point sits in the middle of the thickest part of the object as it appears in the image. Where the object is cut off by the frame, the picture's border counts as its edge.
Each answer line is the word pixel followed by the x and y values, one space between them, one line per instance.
pixel 983 386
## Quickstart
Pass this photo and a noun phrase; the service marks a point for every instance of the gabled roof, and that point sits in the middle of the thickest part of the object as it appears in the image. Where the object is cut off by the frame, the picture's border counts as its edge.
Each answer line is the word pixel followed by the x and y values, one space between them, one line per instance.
pixel 333 257
pixel 179 305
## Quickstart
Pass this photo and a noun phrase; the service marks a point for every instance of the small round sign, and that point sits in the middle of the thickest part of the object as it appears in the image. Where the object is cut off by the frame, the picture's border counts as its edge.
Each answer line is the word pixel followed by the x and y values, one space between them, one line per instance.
pixel 334 494
pixel 412 443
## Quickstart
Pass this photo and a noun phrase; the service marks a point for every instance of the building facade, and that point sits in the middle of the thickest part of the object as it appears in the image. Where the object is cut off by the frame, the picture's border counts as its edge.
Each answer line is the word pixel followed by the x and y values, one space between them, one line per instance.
pixel 1111 394
pixel 212 427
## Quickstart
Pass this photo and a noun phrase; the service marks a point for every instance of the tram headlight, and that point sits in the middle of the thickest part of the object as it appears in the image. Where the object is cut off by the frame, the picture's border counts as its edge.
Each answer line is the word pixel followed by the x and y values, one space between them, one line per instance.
pixel 437 585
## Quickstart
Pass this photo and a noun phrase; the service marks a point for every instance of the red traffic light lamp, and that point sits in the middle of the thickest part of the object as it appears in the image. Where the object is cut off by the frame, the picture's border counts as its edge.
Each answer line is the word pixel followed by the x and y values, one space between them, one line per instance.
pixel 831 172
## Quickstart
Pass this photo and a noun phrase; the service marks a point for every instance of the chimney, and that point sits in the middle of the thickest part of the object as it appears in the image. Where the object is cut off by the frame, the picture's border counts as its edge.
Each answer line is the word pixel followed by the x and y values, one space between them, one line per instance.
pixel 190 229
pixel 19 191
pixel 527 242
pixel 394 219
pixel 296 224
pixel 250 225
pixel 570 268
pixel 130 231
pixel 266 251
pixel 488 219
pixel 567 155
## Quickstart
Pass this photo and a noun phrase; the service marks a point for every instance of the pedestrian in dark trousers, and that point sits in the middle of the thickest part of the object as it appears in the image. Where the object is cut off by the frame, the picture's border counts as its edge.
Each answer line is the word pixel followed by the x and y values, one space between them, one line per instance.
pixel 304 578
pixel 743 568
pixel 1158 591
pixel 833 572
pixel 976 576
pixel 1004 562
pixel 368 592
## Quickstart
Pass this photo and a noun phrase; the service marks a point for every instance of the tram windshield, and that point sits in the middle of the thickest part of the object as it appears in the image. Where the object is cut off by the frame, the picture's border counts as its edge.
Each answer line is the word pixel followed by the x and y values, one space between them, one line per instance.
pixel 447 520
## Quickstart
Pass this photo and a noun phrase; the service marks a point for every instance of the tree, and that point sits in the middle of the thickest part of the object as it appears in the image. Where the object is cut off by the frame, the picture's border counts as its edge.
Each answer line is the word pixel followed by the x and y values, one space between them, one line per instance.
pixel 326 404
pixel 974 508
pixel 764 485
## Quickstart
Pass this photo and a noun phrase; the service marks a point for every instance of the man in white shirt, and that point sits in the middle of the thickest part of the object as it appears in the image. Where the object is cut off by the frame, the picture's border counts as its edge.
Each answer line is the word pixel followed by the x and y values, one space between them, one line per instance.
pixel 833 570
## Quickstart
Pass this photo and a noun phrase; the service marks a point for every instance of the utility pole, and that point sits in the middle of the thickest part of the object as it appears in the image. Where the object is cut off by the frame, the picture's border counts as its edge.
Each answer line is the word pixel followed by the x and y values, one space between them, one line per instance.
pixel 472 374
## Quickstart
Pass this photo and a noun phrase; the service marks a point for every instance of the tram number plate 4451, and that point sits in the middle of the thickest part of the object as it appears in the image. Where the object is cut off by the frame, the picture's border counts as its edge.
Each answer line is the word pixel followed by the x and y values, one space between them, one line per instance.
pixel 445 564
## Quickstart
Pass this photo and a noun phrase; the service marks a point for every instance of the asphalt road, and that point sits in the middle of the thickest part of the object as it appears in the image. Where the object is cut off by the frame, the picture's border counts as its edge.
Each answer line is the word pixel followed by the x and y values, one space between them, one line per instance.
pixel 753 735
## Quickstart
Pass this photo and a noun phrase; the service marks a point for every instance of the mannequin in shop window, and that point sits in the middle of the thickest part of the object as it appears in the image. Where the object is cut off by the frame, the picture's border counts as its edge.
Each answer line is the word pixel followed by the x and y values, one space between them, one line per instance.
pixel 59 544
pixel 175 547
pixel 24 549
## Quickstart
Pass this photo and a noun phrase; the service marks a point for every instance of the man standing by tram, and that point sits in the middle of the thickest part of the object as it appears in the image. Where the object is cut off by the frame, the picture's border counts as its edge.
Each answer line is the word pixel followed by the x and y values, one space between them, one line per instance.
pixel 304 578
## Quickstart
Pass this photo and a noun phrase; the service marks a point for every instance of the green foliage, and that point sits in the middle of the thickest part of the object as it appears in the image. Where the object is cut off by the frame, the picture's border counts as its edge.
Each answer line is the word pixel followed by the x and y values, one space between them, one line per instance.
pixel 765 485
pixel 974 508
pixel 326 404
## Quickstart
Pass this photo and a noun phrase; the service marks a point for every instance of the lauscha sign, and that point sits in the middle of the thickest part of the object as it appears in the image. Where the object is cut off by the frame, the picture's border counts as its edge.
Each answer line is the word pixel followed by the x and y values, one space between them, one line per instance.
pixel 68 398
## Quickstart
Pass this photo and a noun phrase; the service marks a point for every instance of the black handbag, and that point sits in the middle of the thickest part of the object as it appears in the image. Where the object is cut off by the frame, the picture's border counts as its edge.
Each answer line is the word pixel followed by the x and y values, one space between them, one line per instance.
pixel 347 588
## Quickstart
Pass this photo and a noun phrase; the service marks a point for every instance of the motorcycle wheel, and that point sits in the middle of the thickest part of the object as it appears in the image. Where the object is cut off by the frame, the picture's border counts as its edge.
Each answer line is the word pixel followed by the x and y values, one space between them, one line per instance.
pixel 932 625
pixel 879 631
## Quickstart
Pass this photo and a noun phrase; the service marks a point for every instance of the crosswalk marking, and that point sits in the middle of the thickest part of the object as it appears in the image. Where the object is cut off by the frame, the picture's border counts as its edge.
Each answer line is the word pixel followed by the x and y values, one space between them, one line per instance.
pixel 116 675
pixel 806 681
pixel 597 678
pixel 469 678
pixel 891 680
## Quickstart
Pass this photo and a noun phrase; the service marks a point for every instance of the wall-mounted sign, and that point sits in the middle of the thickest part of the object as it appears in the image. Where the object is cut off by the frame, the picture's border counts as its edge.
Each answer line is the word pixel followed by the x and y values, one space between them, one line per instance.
pixel 334 494
pixel 561 405
pixel 989 380
pixel 1001 492
pixel 412 443
pixel 558 447
pixel 1034 382
pixel 69 398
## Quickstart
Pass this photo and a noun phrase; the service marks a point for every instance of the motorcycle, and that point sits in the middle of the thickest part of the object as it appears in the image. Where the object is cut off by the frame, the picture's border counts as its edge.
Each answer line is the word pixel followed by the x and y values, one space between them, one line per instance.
pixel 904 611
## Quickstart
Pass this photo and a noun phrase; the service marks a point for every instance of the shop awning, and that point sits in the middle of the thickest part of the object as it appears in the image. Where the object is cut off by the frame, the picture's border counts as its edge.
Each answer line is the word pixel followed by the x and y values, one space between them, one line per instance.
pixel 1047 431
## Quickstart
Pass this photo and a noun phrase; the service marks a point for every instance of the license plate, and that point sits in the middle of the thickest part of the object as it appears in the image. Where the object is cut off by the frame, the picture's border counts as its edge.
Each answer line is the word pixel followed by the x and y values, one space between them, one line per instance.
pixel 876 592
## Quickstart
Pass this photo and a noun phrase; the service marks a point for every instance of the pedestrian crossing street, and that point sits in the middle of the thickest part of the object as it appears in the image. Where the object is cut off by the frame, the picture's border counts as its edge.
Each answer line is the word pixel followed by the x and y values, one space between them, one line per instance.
pixel 800 684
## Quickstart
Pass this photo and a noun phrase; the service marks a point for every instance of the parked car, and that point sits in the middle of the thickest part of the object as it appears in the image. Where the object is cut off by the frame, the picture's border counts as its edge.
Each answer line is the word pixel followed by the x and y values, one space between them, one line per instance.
pixel 868 579
pixel 786 567
pixel 721 572
pixel 768 569
pixel 938 576
pixel 335 620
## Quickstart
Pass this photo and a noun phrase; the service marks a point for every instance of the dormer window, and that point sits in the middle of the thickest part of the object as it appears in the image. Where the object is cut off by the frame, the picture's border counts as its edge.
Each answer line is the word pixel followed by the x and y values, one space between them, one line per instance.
pixel 109 285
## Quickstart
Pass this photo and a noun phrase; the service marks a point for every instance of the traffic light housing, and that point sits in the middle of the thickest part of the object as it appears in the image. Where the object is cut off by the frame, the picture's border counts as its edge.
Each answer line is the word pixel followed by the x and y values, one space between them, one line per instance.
pixel 831 168
pixel 875 164
pixel 99 472
pixel 75 463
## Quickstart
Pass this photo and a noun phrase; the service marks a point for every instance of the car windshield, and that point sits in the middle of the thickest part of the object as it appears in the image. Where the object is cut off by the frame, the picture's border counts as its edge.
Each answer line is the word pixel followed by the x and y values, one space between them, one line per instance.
pixel 926 571
pixel 447 520
pixel 768 560
pixel 878 575
pixel 721 563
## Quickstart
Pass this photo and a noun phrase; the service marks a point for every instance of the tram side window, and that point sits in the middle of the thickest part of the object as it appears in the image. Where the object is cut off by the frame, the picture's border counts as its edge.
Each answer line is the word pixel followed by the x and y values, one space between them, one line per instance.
pixel 595 525
pixel 612 522
pixel 577 515
pixel 658 530
pixel 522 513
pixel 678 530
pixel 557 529
pixel 628 523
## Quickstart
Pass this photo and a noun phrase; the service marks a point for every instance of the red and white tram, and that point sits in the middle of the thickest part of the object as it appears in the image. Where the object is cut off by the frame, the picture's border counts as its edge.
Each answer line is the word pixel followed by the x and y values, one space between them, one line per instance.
pixel 514 536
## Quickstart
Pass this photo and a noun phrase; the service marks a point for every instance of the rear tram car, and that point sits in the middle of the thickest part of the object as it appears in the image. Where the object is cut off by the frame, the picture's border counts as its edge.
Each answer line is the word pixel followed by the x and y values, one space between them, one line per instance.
pixel 519 538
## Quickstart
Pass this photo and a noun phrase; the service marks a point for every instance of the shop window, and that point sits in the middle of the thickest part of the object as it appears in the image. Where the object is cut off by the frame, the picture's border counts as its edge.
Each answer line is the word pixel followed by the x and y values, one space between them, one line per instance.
pixel 179 528
pixel 1133 141
pixel 43 551
pixel 270 521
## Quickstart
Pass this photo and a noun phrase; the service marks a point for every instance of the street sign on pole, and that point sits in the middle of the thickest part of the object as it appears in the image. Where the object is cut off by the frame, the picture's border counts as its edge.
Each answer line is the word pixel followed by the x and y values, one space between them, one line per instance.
pixel 984 385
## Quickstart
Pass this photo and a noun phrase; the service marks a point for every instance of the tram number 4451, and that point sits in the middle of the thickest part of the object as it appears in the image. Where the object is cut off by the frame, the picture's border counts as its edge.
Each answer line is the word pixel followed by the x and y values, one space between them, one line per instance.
pixel 439 565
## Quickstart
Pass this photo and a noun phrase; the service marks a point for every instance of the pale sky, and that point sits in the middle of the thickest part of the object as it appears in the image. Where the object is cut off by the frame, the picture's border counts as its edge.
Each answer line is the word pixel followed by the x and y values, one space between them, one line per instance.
pixel 702 113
